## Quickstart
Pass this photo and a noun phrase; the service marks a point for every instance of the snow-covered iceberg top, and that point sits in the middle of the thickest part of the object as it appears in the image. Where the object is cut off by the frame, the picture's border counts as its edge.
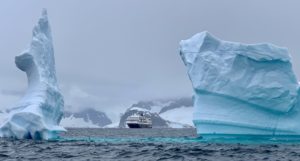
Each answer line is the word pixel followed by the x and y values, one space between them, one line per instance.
pixel 241 88
pixel 39 112
pixel 204 41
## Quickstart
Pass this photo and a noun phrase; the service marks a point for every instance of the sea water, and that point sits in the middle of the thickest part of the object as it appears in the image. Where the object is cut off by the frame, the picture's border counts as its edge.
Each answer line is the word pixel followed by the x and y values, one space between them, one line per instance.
pixel 150 144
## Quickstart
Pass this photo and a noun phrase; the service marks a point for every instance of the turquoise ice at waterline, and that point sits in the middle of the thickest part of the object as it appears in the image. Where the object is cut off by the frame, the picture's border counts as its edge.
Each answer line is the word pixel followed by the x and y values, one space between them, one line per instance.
pixel 241 89
pixel 224 139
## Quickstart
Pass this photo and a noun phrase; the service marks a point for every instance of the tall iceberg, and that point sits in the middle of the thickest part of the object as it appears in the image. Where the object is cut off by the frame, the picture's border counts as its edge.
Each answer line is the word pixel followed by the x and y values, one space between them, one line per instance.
pixel 38 113
pixel 241 89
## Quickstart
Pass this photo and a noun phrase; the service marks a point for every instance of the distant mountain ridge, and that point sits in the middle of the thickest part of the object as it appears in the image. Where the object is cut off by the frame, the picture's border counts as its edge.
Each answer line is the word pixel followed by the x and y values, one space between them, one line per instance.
pixel 157 121
pixel 164 105
pixel 164 113
pixel 168 113
pixel 186 102
pixel 88 117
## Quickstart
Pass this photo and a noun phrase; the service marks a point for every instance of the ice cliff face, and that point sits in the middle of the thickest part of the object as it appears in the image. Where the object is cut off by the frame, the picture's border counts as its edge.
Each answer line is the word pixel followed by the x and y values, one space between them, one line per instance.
pixel 240 88
pixel 39 112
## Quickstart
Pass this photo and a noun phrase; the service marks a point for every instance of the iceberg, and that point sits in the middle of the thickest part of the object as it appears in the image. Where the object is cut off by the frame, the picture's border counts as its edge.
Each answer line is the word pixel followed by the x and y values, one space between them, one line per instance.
pixel 37 115
pixel 241 89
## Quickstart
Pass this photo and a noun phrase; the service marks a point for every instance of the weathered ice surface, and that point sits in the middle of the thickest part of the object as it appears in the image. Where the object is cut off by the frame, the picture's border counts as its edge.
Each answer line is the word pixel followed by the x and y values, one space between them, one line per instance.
pixel 39 112
pixel 241 88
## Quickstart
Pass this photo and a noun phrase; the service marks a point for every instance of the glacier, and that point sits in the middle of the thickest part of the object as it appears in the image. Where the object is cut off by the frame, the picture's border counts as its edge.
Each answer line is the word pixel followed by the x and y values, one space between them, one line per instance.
pixel 241 89
pixel 37 115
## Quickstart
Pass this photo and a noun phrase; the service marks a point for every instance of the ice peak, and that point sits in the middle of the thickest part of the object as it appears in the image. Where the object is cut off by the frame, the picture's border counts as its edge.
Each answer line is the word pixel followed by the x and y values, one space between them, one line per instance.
pixel 39 112
pixel 38 60
pixel 44 12
pixel 199 42
pixel 43 27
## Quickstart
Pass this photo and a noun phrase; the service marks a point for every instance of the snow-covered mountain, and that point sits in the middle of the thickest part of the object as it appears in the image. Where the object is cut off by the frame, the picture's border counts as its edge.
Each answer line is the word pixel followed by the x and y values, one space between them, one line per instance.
pixel 175 113
pixel 88 118
pixel 3 116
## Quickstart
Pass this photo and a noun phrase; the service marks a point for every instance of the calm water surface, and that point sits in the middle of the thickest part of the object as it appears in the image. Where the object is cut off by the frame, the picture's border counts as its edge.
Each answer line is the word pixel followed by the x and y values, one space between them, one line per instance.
pixel 143 144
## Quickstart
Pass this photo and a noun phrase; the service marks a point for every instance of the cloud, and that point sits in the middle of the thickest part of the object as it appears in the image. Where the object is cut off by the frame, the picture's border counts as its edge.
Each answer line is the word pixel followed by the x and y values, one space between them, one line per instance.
pixel 8 99
pixel 77 93
pixel 12 92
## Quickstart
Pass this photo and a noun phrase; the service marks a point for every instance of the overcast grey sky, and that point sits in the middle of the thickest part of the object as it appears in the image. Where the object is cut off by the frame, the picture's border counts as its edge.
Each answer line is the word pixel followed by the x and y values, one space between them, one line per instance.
pixel 112 53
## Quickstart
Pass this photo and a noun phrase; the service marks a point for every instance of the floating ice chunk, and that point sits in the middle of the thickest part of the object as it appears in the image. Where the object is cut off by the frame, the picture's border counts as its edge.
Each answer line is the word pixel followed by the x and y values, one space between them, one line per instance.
pixel 241 88
pixel 39 112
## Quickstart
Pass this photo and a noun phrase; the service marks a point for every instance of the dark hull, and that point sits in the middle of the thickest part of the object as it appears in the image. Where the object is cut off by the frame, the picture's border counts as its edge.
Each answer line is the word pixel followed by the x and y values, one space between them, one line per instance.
pixel 132 125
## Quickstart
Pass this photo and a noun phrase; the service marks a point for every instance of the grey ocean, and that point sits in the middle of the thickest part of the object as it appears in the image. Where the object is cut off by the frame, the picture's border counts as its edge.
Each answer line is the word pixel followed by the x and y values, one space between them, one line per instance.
pixel 144 144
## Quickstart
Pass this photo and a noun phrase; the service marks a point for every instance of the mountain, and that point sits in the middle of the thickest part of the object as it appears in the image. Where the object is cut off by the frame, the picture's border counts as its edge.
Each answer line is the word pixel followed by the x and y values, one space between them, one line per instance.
pixel 174 113
pixel 89 117
pixel 157 121
pixel 168 113
pixel 182 102
pixel 3 116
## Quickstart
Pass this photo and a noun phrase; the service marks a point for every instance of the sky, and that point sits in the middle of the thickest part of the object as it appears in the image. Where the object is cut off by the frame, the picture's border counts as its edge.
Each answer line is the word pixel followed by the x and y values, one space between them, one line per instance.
pixel 110 54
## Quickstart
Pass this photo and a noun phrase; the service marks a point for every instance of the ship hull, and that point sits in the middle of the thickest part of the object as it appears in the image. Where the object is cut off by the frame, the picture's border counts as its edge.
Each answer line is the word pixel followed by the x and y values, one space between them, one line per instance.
pixel 136 125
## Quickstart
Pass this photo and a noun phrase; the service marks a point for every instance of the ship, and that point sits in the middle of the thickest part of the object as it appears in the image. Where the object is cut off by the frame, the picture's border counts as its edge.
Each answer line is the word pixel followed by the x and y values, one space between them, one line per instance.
pixel 139 121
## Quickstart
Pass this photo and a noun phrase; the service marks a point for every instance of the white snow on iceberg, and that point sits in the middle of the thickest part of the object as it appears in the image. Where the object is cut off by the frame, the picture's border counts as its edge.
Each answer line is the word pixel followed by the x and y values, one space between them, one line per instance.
pixel 241 88
pixel 39 112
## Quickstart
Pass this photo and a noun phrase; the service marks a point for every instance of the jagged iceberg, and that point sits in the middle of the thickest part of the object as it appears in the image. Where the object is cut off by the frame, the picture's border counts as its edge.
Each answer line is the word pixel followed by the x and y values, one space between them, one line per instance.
pixel 240 88
pixel 39 112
